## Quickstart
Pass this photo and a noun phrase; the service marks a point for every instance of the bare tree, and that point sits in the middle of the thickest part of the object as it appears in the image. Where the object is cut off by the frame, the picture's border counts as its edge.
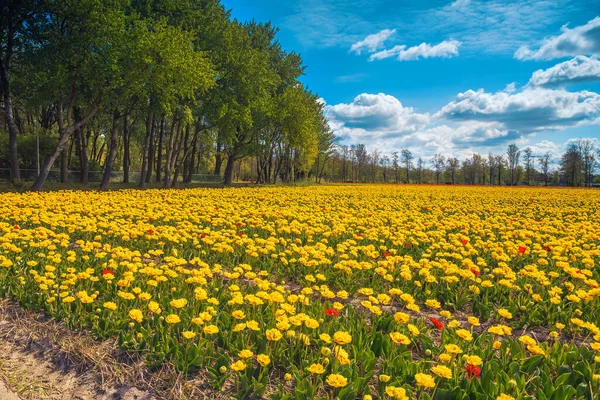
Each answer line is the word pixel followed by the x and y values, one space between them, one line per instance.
pixel 395 165
pixel 529 163
pixel 513 154
pixel 438 162
pixel 572 164
pixel 407 157
pixel 385 162
pixel 544 162
pixel 452 168
pixel 500 164
pixel 587 149
pixel 374 162
pixel 491 163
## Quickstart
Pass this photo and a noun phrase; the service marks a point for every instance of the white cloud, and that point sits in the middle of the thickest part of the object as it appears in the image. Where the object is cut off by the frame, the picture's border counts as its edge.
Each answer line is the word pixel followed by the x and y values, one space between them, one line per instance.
pixel 546 146
pixel 460 3
pixel 475 122
pixel 445 49
pixel 579 69
pixel 511 87
pixel 530 110
pixel 380 114
pixel 372 42
pixel 381 122
pixel 581 40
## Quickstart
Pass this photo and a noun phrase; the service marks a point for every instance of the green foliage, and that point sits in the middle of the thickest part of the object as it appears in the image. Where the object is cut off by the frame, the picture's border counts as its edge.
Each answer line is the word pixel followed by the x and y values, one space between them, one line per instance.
pixel 183 62
pixel 28 149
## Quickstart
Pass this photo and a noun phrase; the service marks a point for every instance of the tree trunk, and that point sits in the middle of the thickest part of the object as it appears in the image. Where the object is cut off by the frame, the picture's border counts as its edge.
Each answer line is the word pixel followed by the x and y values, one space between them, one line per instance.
pixel 189 168
pixel 62 143
pixel 218 159
pixel 83 140
pixel 160 146
pixel 151 151
pixel 169 155
pixel 126 156
pixel 145 166
pixel 15 172
pixel 63 165
pixel 228 178
pixel 112 151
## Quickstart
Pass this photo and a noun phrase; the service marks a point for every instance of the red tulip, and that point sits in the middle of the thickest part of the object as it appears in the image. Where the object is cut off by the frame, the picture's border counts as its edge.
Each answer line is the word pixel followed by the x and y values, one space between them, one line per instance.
pixel 475 272
pixel 107 271
pixel 437 324
pixel 332 312
pixel 473 371
pixel 386 254
pixel 150 231
pixel 408 244
pixel 464 241
pixel 522 249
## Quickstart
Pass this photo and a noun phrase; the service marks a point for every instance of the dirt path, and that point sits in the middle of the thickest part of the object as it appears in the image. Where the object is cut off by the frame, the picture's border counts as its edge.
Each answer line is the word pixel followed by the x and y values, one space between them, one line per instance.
pixel 25 374
pixel 38 360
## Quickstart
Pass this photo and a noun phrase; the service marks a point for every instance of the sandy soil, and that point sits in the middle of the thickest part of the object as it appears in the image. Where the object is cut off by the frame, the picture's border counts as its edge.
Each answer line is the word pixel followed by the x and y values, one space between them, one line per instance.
pixel 33 367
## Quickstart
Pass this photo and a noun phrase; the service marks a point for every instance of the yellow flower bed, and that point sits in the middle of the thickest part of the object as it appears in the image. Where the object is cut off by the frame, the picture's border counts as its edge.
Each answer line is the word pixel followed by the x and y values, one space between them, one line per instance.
pixel 436 292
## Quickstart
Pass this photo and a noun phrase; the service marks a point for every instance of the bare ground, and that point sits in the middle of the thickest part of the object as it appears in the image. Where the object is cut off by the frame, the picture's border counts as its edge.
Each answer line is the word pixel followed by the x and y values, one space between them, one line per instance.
pixel 41 358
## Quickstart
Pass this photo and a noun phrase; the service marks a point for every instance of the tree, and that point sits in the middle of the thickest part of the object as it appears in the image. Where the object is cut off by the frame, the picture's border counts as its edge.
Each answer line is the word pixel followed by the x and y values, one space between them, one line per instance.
pixel 587 149
pixel 513 154
pixel 572 164
pixel 395 165
pixel 385 162
pixel 16 18
pixel 500 164
pixel 438 162
pixel 452 168
pixel 491 163
pixel 406 159
pixel 361 156
pixel 529 163
pixel 544 162
pixel 77 60
pixel 375 155
pixel 326 148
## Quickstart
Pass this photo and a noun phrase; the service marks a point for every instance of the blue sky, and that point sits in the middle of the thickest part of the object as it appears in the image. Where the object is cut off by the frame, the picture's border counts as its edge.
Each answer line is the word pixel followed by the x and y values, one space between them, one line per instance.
pixel 450 77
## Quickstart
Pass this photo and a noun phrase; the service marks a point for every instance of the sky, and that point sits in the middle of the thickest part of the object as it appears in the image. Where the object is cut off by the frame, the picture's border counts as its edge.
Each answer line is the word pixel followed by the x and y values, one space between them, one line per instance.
pixel 448 77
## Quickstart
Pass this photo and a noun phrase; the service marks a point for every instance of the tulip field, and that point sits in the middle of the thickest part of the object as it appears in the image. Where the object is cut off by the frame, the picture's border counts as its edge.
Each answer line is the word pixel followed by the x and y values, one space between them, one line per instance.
pixel 325 292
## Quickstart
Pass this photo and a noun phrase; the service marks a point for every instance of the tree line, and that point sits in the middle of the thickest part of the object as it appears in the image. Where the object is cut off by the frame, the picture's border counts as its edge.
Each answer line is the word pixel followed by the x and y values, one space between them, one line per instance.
pixel 576 167
pixel 165 87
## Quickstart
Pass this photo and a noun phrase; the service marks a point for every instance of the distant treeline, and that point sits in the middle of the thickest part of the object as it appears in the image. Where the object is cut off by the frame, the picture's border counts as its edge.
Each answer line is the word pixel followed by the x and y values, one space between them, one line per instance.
pixel 576 167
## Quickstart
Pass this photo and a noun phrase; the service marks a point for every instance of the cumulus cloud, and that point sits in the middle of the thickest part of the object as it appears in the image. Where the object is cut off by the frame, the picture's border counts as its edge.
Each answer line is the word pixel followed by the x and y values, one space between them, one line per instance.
pixel 380 114
pixel 530 110
pixel 579 69
pixel 581 40
pixel 446 139
pixel 372 42
pixel 382 122
pixel 476 121
pixel 445 49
